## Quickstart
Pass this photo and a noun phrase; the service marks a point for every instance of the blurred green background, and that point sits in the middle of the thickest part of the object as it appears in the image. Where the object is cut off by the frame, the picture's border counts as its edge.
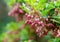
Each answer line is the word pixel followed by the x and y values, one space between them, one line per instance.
pixel 4 18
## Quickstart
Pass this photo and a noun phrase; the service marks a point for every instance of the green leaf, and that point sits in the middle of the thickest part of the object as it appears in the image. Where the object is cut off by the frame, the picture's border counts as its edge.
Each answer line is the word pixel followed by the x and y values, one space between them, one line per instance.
pixel 24 34
pixel 12 26
pixel 58 3
pixel 55 17
pixel 51 11
pixel 51 5
pixel 21 1
pixel 44 13
pixel 24 7
pixel 10 2
pixel 55 21
pixel 20 23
